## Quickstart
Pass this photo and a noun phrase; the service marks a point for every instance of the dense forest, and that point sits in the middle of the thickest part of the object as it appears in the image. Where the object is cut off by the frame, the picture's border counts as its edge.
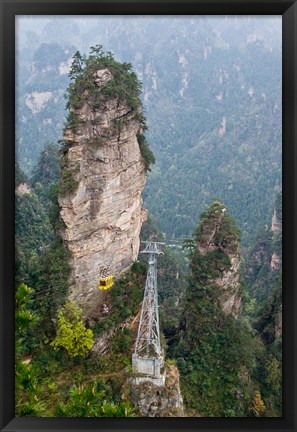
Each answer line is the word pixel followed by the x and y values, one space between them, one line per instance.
pixel 228 362
pixel 212 122
pixel 230 366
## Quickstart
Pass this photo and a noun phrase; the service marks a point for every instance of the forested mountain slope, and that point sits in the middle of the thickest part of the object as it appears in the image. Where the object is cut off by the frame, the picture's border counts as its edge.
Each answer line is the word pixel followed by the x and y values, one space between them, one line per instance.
pixel 213 346
pixel 212 98
pixel 212 102
pixel 230 364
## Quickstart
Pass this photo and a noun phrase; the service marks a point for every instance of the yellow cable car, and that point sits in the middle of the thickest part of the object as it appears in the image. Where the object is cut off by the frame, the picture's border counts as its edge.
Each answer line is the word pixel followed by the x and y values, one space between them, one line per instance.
pixel 106 282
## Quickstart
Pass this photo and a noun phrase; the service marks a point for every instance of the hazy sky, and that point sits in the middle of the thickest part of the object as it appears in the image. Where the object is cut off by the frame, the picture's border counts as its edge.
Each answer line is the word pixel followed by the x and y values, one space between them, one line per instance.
pixel 53 28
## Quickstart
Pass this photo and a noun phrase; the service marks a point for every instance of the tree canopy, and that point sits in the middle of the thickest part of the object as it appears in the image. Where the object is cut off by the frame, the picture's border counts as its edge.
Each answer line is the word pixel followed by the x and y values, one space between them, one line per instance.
pixel 71 331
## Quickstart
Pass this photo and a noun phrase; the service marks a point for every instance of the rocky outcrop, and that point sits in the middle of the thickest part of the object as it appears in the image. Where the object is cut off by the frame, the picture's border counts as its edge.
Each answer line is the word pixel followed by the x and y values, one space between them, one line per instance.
pixel 229 283
pixel 276 228
pixel 276 223
pixel 263 262
pixel 23 189
pixel 156 401
pixel 275 263
pixel 219 241
pixel 104 214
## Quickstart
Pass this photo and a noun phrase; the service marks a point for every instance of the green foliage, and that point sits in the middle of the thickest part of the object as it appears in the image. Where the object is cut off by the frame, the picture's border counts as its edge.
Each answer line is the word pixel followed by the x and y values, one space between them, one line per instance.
pixel 150 231
pixel 212 350
pixel 222 363
pixel 41 259
pixel 20 176
pixel 71 332
pixel 215 216
pixel 124 299
pixel 33 233
pixel 273 378
pixel 189 245
pixel 122 342
pixel 32 223
pixel 139 268
pixel 90 401
pixel 268 313
pixel 211 265
pixel 46 172
pixel 68 183
pixel 54 209
pixel 195 163
pixel 212 347
pixel 232 167
pixel 146 152
pixel 27 391
pixel 124 83
pixel 83 402
pixel 126 294
pixel 265 296
pixel 257 269
pixel 277 234
pixel 218 230
pixel 73 121
pixel 26 383
pixel 24 317
pixel 268 370
pixel 171 288
pixel 49 275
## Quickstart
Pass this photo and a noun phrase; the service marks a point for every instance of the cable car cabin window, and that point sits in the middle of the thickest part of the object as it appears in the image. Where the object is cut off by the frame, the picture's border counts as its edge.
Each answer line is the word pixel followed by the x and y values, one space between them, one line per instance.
pixel 106 283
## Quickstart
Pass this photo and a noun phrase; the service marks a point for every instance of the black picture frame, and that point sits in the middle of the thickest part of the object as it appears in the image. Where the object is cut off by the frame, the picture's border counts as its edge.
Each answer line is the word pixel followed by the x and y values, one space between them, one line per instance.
pixel 11 8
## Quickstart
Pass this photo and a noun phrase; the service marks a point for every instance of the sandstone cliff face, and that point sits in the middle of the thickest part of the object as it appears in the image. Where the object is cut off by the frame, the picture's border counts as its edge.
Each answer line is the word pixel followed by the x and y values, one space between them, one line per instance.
pixel 23 189
pixel 103 216
pixel 214 237
pixel 276 228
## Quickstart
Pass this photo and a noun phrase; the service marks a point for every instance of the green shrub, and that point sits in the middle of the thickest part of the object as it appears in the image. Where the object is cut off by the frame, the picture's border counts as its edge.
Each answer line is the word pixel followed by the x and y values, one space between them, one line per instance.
pixel 68 184
pixel 146 153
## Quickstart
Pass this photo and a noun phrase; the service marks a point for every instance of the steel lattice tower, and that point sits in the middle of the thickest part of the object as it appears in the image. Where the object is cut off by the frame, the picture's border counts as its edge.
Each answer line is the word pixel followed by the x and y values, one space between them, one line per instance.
pixel 148 337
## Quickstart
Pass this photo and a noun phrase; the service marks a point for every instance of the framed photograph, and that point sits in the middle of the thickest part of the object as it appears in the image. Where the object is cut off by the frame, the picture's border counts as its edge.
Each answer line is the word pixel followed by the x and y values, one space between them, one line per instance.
pixel 148 215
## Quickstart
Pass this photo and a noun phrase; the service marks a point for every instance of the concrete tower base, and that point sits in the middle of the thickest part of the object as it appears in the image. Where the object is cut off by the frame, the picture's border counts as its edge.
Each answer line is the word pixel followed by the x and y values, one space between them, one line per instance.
pixel 148 369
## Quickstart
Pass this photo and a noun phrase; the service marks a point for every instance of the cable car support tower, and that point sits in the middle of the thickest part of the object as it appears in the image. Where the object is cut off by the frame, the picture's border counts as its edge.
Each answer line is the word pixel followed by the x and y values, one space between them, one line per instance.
pixel 147 359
